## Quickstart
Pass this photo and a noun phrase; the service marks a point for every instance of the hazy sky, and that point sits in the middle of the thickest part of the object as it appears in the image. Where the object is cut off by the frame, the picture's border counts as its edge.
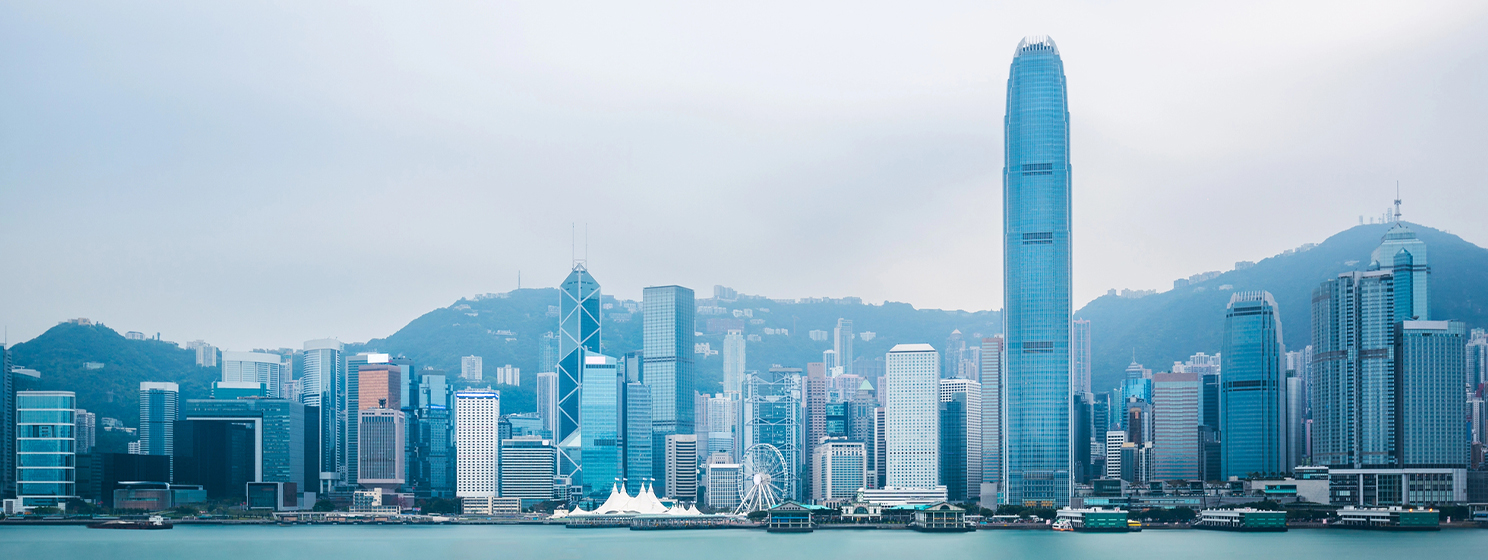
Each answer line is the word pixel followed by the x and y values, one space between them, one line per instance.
pixel 257 175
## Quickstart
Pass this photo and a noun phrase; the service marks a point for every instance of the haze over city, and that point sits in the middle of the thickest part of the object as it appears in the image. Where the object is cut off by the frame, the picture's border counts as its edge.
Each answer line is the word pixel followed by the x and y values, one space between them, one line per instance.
pixel 259 177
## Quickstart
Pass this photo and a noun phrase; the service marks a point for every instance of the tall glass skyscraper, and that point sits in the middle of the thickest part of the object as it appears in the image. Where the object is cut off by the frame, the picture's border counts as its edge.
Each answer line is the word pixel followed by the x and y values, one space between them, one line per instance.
pixel 599 409
pixel 323 378
pixel 159 410
pixel 578 331
pixel 1253 390
pixel 667 339
pixel 1354 386
pixel 1036 268
pixel 45 452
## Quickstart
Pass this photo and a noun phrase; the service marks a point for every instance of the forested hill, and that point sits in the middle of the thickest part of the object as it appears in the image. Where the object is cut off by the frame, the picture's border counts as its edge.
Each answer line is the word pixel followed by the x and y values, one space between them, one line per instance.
pixel 1170 326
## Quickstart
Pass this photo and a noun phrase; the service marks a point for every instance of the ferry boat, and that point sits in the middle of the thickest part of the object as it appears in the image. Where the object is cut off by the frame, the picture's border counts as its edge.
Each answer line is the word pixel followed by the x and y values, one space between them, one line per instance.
pixel 155 522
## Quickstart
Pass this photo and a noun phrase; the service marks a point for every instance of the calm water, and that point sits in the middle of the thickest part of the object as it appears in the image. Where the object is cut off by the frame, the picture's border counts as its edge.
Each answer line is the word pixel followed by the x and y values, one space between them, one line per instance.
pixel 557 543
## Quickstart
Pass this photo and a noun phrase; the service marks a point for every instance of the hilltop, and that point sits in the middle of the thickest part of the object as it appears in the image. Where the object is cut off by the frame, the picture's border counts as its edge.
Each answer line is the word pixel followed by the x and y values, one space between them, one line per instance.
pixel 63 352
pixel 1170 326
pixel 508 328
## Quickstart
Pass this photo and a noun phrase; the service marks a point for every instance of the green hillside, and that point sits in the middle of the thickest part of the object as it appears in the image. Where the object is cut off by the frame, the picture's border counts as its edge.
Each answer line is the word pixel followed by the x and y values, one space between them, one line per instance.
pixel 480 326
pixel 508 328
pixel 1173 325
pixel 62 352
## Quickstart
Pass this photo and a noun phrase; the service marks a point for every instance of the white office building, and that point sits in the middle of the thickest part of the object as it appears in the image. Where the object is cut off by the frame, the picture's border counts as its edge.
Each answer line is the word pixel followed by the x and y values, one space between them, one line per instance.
pixel 1115 440
pixel 912 373
pixel 723 481
pixel 838 471
pixel 733 361
pixel 257 367
pixel 949 388
pixel 547 401
pixel 476 442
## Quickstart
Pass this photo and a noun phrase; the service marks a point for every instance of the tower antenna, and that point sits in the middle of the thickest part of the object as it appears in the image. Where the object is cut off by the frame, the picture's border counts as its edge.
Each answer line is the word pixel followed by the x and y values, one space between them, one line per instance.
pixel 1397 201
pixel 573 242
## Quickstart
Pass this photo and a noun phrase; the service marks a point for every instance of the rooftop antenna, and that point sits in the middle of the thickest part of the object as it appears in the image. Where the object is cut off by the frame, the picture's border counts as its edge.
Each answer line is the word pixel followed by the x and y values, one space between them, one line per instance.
pixel 1397 201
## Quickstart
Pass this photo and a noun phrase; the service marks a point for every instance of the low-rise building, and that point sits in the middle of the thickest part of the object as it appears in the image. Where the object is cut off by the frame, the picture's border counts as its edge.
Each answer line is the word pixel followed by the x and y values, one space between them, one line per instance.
pixel 894 496
pixel 940 517
pixel 492 506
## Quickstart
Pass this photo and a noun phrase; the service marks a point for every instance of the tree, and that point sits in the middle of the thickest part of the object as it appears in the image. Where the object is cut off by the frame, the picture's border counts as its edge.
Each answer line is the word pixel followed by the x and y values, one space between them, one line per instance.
pixel 757 516
pixel 439 505
pixel 324 505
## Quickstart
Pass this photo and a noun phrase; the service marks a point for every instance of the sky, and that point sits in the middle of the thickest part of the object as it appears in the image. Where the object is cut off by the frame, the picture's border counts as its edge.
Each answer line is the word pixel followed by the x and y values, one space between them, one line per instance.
pixel 258 174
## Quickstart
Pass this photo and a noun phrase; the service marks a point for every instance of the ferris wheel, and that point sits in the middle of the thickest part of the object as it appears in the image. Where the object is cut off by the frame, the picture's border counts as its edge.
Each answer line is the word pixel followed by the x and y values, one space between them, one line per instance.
pixel 763 479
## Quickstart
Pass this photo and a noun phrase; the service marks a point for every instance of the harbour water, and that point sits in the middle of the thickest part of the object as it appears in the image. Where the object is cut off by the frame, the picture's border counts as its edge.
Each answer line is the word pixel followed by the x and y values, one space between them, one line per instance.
pixel 191 542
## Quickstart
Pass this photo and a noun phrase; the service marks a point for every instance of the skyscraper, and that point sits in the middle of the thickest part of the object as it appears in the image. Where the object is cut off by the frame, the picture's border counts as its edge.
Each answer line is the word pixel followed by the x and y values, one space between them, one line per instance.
pixel 635 415
pixel 842 344
pixel 772 417
pixel 322 378
pixel 838 471
pixel 913 439
pixel 159 410
pixel 599 414
pixel 7 425
pixel 667 339
pixel 472 368
pixel 733 361
pixel 815 395
pixel 681 466
pixel 1080 355
pixel 1036 268
pixel 379 386
pixel 547 401
pixel 961 412
pixel 1252 397
pixel 1175 426
pixel 528 464
pixel 476 413
pixel 380 459
pixel 578 331
pixel 45 461
pixel 547 353
pixel 259 367
pixel 1354 390
pixel 1430 373
pixel 993 376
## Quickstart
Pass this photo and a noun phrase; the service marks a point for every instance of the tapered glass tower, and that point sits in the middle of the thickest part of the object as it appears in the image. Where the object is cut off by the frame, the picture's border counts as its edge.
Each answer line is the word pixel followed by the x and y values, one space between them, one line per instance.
pixel 578 332
pixel 1036 265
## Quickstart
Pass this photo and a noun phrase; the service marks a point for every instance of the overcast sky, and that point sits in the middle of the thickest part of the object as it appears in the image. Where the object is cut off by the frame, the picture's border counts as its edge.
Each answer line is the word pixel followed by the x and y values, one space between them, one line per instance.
pixel 257 175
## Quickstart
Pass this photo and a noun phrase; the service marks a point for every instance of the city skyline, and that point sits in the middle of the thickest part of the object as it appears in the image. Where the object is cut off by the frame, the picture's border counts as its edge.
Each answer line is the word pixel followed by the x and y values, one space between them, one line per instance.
pixel 174 243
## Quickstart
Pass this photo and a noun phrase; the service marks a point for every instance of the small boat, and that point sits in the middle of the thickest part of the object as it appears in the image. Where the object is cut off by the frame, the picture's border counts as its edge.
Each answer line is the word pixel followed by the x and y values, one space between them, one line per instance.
pixel 153 523
pixel 1063 524
pixel 1133 526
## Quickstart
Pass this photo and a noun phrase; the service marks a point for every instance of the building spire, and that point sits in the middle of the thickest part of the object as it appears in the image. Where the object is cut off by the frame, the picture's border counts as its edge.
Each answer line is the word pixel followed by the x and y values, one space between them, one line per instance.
pixel 1397 202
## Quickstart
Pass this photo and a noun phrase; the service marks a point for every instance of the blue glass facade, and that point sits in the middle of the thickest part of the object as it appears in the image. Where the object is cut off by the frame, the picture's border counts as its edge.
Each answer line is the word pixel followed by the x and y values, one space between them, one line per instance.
pixel 599 410
pixel 45 452
pixel 1430 373
pixel 667 343
pixel 1252 390
pixel 578 330
pixel 1036 221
